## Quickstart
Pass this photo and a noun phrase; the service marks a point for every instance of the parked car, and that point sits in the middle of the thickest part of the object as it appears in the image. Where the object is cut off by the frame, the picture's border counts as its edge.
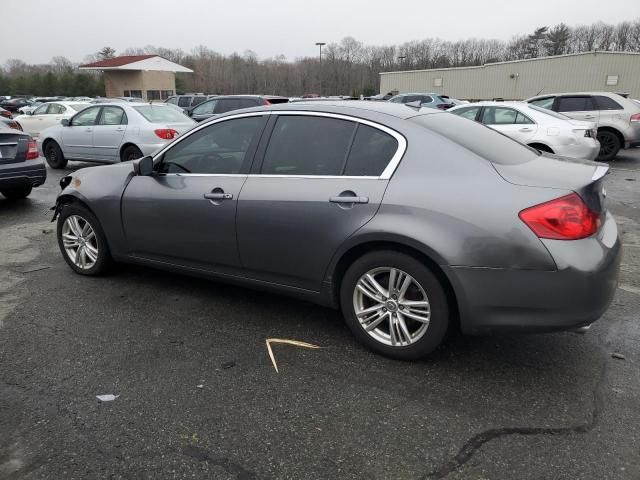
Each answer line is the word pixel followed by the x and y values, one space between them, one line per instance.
pixel 187 102
pixel 21 168
pixel 412 221
pixel 429 100
pixel 617 118
pixel 5 113
pixel 537 127
pixel 108 100
pixel 227 103
pixel 130 99
pixel 15 103
pixel 112 133
pixel 79 99
pixel 47 115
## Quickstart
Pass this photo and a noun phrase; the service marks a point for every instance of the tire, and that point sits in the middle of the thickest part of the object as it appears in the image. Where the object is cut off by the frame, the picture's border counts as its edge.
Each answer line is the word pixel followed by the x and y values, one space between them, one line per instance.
pixel 418 338
pixel 15 193
pixel 72 220
pixel 130 153
pixel 54 156
pixel 609 145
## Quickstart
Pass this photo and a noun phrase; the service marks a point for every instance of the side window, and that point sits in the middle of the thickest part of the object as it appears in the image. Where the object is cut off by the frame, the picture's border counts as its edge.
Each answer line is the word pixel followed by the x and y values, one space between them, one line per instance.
pixel 198 100
pixel 469 113
pixel 606 103
pixel 206 108
pixel 220 148
pixel 247 103
pixel 522 119
pixel 574 104
pixel 56 109
pixel 86 117
pixel 224 105
pixel 396 100
pixel 371 152
pixel 184 101
pixel 426 99
pixel 307 145
pixel 499 116
pixel 412 98
pixel 112 116
pixel 543 102
pixel 173 100
pixel 41 110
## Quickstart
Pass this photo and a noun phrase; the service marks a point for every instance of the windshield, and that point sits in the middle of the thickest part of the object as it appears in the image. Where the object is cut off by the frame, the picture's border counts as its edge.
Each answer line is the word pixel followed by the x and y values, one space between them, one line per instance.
pixel 161 114
pixel 549 112
pixel 79 106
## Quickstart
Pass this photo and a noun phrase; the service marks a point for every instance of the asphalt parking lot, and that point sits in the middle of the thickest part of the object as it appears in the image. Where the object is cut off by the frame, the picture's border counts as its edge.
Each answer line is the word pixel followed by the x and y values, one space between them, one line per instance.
pixel 199 398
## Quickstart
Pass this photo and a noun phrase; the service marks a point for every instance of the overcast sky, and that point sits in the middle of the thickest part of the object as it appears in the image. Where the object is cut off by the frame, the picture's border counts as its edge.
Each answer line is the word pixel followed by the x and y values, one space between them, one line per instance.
pixel 37 30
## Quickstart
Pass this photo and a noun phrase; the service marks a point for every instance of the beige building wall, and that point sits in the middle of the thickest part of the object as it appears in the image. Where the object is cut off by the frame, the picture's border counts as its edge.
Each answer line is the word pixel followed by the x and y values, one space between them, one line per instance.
pixel 117 82
pixel 525 78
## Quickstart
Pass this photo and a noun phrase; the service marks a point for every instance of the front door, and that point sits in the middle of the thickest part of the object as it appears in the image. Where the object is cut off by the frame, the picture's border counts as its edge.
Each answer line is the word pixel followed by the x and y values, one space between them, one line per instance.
pixel 185 214
pixel 320 180
pixel 77 137
pixel 108 133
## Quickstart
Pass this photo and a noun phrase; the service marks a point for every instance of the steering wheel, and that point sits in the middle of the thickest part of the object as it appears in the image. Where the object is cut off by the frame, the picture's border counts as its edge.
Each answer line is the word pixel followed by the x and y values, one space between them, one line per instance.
pixel 184 169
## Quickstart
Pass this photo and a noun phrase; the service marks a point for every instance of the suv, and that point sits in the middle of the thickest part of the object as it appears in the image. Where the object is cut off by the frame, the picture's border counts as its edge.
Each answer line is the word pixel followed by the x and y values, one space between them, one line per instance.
pixel 187 101
pixel 430 100
pixel 227 103
pixel 617 118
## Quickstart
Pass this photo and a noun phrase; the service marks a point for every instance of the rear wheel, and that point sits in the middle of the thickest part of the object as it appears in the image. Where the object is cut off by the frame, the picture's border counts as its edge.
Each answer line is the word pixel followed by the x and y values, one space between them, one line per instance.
pixel 131 153
pixel 82 241
pixel 395 305
pixel 54 156
pixel 14 193
pixel 609 145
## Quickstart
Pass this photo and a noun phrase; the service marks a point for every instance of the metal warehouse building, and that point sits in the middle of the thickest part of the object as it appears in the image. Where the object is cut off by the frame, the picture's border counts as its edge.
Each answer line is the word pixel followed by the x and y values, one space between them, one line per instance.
pixel 520 79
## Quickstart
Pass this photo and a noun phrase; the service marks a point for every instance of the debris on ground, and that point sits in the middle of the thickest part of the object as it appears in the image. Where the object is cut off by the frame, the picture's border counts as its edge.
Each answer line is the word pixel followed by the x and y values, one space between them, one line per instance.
pixel 47 230
pixel 200 386
pixel 229 364
pixel 107 397
pixel 32 268
pixel 295 343
pixel 618 356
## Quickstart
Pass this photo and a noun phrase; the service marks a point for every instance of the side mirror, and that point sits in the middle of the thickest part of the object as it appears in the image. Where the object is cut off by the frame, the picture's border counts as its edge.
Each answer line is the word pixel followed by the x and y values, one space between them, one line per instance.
pixel 144 166
pixel 65 122
pixel 30 112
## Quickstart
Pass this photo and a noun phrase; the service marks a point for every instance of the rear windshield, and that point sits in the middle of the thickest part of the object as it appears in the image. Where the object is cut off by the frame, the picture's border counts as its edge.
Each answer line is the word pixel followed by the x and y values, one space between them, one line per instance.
pixel 481 140
pixel 161 114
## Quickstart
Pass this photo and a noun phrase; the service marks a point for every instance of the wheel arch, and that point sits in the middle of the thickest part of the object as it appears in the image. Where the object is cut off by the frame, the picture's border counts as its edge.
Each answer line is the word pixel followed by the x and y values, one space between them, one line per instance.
pixel 47 141
pixel 126 145
pixel 421 253
pixel 618 133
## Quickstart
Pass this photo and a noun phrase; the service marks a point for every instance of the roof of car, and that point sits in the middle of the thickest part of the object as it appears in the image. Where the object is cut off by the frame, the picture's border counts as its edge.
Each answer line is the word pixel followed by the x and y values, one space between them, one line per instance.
pixel 350 107
pixel 569 94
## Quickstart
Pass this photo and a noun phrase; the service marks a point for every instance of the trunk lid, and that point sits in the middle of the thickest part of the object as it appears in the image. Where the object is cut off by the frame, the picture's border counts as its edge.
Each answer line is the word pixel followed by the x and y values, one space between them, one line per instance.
pixel 13 147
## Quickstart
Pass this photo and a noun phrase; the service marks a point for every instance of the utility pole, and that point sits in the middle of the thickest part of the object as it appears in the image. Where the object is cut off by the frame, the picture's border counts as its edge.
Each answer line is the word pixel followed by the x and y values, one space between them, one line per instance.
pixel 320 44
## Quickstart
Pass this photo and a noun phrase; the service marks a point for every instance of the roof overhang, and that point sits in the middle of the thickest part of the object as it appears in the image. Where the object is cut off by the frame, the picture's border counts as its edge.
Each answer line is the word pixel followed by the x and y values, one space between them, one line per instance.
pixel 153 64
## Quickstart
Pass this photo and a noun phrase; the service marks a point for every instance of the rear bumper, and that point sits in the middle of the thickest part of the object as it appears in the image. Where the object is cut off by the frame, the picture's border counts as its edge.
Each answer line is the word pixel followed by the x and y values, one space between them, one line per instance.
pixel 588 149
pixel 632 136
pixel 575 295
pixel 31 172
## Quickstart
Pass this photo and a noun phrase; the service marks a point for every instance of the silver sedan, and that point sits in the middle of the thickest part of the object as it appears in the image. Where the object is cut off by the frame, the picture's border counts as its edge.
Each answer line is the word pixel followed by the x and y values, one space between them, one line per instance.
pixel 112 133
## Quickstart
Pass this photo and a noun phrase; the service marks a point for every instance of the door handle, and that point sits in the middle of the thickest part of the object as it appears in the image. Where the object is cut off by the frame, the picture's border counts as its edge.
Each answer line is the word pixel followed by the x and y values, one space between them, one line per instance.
pixel 349 199
pixel 525 129
pixel 88 130
pixel 589 116
pixel 119 129
pixel 218 196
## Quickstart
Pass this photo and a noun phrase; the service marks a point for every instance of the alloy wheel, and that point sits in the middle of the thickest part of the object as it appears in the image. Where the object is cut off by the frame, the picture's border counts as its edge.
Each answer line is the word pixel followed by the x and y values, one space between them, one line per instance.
pixel 391 306
pixel 80 242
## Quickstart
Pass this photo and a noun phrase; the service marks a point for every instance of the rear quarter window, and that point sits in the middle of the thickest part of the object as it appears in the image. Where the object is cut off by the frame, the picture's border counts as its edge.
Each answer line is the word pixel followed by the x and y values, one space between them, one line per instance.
pixel 476 137
pixel 606 103
pixel 371 152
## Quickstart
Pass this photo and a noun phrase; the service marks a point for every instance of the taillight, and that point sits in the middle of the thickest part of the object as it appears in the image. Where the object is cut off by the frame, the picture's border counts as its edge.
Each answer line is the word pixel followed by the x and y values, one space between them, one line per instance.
pixel 15 126
pixel 32 150
pixel 266 102
pixel 166 133
pixel 565 218
pixel 635 117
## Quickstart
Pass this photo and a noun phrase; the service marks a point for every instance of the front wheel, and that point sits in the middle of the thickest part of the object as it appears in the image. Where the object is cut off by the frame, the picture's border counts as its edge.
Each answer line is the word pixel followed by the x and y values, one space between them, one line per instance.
pixel 609 145
pixel 395 305
pixel 82 241
pixel 54 155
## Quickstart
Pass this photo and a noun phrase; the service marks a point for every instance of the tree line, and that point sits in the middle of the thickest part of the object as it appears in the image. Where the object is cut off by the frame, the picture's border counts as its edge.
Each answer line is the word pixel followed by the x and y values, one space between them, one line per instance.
pixel 348 67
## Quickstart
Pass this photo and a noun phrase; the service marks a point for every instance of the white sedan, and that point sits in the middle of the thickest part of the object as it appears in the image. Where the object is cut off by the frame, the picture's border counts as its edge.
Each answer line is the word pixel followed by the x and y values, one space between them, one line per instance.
pixel 112 132
pixel 537 127
pixel 47 115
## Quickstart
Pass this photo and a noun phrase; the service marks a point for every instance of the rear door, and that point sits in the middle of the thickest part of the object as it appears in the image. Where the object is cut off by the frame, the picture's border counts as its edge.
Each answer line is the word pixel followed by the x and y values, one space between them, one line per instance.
pixel 321 178
pixel 580 107
pixel 108 133
pixel 509 121
pixel 77 137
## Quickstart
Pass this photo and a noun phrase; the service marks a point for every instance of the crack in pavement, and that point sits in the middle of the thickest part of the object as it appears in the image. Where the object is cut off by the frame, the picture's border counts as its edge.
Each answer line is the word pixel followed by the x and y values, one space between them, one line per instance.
pixel 476 442
pixel 228 465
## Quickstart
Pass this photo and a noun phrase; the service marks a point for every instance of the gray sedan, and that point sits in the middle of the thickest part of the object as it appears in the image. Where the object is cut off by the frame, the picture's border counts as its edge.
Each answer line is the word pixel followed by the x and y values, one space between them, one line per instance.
pixel 412 222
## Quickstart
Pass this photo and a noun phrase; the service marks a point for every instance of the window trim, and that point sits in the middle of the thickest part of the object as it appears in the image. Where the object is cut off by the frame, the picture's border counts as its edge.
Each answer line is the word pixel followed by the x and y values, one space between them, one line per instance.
pixel 386 174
